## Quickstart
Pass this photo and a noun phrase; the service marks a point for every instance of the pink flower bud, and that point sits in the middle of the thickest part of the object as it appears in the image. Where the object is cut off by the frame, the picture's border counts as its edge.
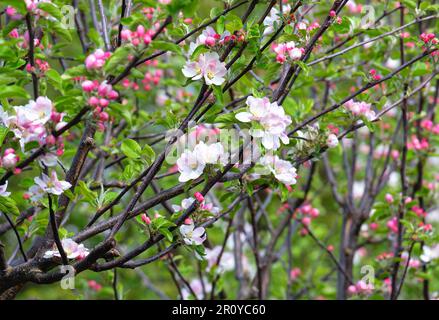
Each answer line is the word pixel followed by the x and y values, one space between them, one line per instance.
pixel 113 95
pixel 389 198
pixel 373 226
pixel 125 34
pixel 199 197
pixel 306 221
pixel 87 86
pixel 332 13
pixel 314 212
pixel 352 289
pixel 103 102
pixel 51 140
pixel 146 219
pixel 103 116
pixel 93 101
pixel 147 39
pixel 55 116
pixel 188 221
pixel 9 151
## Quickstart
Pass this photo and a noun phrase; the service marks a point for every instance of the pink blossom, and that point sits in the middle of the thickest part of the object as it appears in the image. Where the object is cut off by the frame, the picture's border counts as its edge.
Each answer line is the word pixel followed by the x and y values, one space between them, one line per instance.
pixel 199 197
pixel 52 184
pixel 192 235
pixel 208 67
pixel 332 141
pixel 97 59
pixel 295 273
pixel 281 169
pixel 389 198
pixel 71 248
pixel 360 109
pixel 392 224
pixel 145 219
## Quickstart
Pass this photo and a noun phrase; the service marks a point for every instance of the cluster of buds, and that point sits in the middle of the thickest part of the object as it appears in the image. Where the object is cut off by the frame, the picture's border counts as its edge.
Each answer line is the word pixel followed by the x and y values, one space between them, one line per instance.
pixel 12 13
pixel 429 126
pixel 146 220
pixel 361 287
pixel 148 12
pixel 389 198
pixel 287 50
pixel 375 76
pixel 9 159
pixel 92 284
pixel 152 79
pixel 58 142
pixel 392 225
pixel 412 263
pixel 384 256
pixel 333 15
pixel 419 211
pixel 103 93
pixel 360 108
pixel 40 67
pixel 138 37
pixel 416 144
pixel 313 26
pixel 429 38
pixel 306 213
pixel 24 39
pixel 97 59
pixel 295 273
pixel 425 227
pixel 51 140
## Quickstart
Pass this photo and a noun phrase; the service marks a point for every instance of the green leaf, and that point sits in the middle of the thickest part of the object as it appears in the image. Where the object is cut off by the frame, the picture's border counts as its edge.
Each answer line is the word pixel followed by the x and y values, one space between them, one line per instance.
pixel 13 92
pixel 55 78
pixel 52 9
pixel 167 46
pixel 61 30
pixel 3 133
pixel 84 190
pixel 168 234
pixel 8 206
pixel 116 59
pixel 198 50
pixel 131 149
pixel 218 94
pixel 148 153
pixel 233 23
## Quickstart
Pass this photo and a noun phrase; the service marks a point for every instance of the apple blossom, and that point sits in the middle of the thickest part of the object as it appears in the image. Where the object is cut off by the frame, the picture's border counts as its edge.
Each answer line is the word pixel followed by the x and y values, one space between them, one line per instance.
pixel 189 166
pixel 332 141
pixel 192 235
pixel 281 169
pixel 52 184
pixel 274 18
pixel 271 117
pixel 71 248
pixel 208 67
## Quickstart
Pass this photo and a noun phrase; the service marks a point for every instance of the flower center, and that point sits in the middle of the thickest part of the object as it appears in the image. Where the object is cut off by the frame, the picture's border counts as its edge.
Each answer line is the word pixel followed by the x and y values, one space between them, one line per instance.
pixel 210 74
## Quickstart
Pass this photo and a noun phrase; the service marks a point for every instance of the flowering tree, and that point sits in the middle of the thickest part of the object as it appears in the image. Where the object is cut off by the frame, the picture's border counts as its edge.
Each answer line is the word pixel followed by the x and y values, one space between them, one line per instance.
pixel 219 149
